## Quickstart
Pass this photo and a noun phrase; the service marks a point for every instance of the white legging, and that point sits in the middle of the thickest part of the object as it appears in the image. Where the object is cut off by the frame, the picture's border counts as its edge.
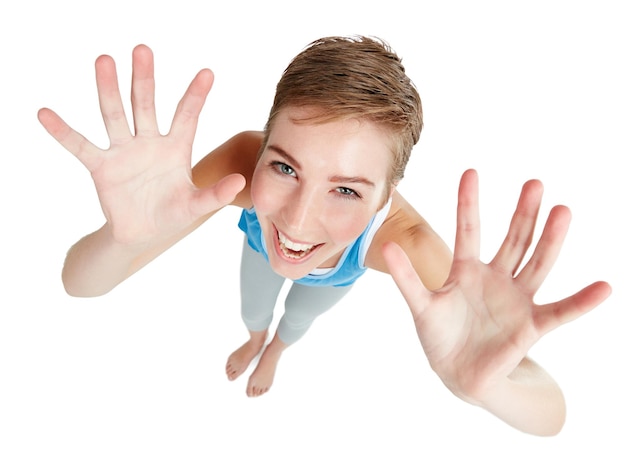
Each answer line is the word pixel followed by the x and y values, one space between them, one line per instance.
pixel 260 287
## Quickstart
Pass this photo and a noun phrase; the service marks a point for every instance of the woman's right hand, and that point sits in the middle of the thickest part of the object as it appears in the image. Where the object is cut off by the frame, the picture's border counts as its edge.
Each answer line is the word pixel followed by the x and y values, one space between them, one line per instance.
pixel 143 179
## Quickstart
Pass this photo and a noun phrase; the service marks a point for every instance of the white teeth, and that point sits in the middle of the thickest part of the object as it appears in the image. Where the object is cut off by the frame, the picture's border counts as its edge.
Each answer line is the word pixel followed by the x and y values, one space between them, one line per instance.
pixel 292 245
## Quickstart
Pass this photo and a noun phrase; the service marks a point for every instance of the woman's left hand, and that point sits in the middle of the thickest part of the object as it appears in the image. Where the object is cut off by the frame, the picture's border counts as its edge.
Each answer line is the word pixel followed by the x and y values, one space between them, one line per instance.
pixel 478 327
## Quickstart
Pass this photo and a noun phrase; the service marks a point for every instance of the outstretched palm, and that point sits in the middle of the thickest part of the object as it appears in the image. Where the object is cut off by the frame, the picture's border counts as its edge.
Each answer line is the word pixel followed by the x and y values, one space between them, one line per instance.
pixel 143 179
pixel 479 326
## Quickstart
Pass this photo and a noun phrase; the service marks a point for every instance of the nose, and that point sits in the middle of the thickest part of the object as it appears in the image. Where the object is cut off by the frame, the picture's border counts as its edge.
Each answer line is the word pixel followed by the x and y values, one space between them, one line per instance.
pixel 301 213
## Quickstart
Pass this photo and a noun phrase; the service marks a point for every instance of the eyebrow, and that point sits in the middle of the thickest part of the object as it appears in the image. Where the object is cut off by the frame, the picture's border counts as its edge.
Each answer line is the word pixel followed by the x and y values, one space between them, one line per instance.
pixel 334 179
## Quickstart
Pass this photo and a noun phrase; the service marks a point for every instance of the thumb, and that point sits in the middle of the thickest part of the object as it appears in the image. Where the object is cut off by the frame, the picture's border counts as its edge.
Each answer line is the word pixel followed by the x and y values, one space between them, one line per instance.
pixel 219 195
pixel 405 277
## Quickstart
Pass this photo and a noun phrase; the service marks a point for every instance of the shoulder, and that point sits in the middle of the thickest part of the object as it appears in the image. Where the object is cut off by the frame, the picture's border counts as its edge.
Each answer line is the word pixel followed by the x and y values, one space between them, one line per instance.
pixel 237 155
pixel 430 256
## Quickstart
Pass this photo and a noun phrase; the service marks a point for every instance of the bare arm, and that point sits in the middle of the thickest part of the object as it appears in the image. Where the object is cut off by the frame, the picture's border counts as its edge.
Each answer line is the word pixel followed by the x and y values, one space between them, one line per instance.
pixel 430 256
pixel 477 329
pixel 529 400
pixel 149 195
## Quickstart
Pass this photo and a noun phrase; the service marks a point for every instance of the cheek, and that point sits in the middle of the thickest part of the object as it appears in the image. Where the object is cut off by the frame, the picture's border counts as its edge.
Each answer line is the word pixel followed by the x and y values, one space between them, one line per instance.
pixel 261 193
pixel 346 225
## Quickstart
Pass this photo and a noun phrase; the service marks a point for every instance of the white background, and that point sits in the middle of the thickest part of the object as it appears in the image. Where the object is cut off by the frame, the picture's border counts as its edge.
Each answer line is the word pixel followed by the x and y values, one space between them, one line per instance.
pixel 135 380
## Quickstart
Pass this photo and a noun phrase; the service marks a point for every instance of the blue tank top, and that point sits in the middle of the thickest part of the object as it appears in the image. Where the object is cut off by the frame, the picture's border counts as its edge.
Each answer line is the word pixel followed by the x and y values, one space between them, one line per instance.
pixel 350 267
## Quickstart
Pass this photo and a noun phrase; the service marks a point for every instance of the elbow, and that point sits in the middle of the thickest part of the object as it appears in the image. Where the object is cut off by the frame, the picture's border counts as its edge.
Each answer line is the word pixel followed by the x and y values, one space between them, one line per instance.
pixel 84 294
pixel 74 292
pixel 554 424
pixel 549 418
pixel 79 288
pixel 554 412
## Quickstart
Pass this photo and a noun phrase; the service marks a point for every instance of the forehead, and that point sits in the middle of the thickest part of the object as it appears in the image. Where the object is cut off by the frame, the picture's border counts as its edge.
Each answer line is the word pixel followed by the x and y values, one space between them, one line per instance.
pixel 348 143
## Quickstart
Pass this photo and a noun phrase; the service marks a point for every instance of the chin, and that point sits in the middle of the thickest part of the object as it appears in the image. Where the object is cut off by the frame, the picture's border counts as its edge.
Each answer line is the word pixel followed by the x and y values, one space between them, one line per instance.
pixel 289 269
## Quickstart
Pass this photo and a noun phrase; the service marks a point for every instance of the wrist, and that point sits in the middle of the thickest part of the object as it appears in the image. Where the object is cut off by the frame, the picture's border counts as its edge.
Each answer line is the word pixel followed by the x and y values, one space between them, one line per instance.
pixel 97 263
pixel 123 243
pixel 528 399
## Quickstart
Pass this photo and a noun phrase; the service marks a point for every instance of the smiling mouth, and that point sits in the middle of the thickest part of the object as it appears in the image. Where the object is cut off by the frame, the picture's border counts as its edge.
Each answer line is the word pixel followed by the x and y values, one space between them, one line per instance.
pixel 292 249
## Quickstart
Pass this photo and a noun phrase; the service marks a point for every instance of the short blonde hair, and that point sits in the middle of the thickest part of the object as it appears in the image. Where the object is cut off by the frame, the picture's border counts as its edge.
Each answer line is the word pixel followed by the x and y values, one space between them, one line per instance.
pixel 354 77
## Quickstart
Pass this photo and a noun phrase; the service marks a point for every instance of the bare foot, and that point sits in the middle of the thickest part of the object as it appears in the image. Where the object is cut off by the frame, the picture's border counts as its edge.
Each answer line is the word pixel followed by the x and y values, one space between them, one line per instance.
pixel 263 376
pixel 239 360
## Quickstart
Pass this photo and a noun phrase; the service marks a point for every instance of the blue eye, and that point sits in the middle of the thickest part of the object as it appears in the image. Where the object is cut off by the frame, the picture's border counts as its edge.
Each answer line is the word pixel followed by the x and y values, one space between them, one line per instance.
pixel 347 192
pixel 284 169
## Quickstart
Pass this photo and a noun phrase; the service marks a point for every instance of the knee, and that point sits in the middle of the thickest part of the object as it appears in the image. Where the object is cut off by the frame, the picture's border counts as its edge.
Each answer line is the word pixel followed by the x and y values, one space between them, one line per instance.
pixel 290 331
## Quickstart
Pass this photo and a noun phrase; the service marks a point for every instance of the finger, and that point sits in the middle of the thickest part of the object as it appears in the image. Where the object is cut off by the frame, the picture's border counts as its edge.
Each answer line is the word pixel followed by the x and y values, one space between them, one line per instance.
pixel 550 316
pixel 185 120
pixel 110 100
pixel 521 229
pixel 142 92
pixel 547 250
pixel 405 277
pixel 467 242
pixel 74 142
pixel 217 196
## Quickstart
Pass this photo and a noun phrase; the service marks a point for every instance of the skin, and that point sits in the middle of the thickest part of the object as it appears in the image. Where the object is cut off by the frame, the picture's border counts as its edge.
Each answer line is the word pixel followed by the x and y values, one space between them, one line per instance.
pixel 310 186
pixel 318 184
pixel 476 321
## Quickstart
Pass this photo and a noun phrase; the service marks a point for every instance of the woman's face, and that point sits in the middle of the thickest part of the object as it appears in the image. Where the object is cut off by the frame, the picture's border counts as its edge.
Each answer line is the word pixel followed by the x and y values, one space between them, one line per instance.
pixel 316 187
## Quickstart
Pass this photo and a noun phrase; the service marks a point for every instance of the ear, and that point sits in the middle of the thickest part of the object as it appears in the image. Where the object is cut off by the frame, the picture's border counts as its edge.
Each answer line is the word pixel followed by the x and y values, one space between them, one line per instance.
pixel 392 187
pixel 390 190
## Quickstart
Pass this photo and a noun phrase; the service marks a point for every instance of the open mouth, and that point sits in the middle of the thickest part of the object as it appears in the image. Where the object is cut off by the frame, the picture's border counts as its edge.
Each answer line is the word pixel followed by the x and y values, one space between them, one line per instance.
pixel 293 250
